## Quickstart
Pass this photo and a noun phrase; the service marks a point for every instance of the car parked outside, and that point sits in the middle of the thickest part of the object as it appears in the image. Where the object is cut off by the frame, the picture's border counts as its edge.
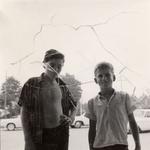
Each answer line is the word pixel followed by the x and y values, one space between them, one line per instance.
pixel 3 113
pixel 142 117
pixel 11 123
pixel 80 121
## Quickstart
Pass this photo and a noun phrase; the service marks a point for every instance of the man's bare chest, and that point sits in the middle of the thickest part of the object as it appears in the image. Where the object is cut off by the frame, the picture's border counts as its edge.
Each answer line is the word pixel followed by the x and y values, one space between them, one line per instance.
pixel 51 92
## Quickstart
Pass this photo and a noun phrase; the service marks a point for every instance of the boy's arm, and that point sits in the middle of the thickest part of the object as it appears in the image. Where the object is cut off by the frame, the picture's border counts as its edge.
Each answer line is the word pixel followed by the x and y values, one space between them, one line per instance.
pixel 92 133
pixel 135 131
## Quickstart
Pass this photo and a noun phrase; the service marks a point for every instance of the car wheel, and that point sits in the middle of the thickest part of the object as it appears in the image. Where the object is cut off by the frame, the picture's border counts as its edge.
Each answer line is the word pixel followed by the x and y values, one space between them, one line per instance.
pixel 11 126
pixel 78 124
pixel 72 126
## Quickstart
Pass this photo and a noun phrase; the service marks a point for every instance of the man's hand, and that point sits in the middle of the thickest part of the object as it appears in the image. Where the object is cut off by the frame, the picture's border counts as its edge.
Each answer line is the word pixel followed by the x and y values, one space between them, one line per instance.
pixel 64 120
pixel 72 119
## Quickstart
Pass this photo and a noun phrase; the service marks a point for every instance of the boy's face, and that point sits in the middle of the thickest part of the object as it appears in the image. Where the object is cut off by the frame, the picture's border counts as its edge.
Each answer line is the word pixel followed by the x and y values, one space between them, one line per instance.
pixel 54 65
pixel 105 78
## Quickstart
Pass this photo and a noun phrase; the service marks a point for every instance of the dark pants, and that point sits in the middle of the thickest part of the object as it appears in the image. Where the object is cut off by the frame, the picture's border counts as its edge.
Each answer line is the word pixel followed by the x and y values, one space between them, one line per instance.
pixel 54 139
pixel 114 147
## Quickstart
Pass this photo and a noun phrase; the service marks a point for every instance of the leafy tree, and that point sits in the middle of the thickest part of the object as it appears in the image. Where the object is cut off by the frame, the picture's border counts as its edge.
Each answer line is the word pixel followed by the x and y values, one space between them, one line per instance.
pixel 10 92
pixel 74 86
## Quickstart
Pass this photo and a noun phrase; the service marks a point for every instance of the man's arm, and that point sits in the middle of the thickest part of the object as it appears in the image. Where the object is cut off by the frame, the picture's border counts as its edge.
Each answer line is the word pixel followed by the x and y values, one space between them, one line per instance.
pixel 135 131
pixel 73 106
pixel 73 114
pixel 92 133
pixel 25 114
pixel 25 122
pixel 26 127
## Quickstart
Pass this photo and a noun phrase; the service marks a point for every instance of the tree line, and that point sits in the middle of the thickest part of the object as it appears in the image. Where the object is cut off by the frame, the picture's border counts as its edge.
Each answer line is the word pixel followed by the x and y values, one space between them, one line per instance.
pixel 11 89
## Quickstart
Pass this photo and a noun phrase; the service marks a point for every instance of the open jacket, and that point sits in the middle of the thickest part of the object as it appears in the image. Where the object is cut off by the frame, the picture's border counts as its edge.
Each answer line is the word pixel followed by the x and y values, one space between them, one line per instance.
pixel 30 99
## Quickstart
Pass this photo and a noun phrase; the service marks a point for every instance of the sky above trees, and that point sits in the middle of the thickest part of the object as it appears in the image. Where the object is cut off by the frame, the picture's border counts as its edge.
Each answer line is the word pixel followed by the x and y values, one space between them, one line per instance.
pixel 86 31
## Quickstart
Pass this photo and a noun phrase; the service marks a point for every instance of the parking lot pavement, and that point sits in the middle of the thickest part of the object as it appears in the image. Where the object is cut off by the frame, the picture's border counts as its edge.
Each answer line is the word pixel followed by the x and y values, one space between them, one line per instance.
pixel 13 140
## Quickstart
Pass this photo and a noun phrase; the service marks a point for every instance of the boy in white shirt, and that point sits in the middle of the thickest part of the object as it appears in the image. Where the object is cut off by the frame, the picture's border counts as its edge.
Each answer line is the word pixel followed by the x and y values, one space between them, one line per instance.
pixel 109 113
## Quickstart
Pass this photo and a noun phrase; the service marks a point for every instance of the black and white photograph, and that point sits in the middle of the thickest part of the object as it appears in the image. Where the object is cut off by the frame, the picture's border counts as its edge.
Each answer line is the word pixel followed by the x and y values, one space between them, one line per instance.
pixel 74 74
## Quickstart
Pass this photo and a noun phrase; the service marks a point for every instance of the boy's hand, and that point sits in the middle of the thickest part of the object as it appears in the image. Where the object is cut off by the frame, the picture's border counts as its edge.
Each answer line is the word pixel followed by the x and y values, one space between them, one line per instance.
pixel 138 147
